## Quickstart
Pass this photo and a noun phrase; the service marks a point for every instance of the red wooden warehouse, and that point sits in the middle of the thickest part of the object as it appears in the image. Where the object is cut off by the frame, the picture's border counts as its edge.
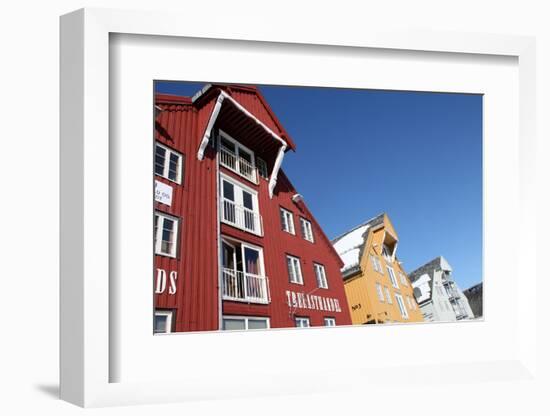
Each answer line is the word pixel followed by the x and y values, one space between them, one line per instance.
pixel 235 245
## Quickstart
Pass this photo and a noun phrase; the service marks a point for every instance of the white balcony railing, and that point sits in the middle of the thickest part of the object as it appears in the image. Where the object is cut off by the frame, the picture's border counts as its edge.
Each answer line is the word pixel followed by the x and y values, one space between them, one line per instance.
pixel 238 164
pixel 244 287
pixel 241 217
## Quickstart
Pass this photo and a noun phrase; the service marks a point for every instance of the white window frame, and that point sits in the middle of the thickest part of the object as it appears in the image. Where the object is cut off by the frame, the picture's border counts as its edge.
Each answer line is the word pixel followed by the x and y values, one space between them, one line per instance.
pixel 380 293
pixel 401 304
pixel 240 203
pixel 246 320
pixel 302 319
pixel 158 235
pixel 393 278
pixel 376 265
pixel 294 277
pixel 166 167
pixel 403 279
pixel 262 168
pixel 169 315
pixel 238 147
pixel 307 229
pixel 329 321
pixel 409 304
pixel 388 295
pixel 320 275
pixel 288 223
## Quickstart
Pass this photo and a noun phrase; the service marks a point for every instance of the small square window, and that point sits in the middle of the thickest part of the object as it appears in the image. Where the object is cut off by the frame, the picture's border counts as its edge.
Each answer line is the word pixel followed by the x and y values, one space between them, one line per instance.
pixel 168 163
pixel 330 322
pixel 302 322
pixel 166 234
pixel 163 322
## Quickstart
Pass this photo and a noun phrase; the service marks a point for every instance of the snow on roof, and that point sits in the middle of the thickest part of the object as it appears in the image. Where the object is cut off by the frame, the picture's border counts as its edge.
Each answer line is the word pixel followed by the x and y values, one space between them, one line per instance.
pixel 422 288
pixel 348 247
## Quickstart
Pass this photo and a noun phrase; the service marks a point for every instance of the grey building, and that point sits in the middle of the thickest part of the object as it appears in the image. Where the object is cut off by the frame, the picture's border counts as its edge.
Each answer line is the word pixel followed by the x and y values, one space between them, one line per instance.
pixel 475 298
pixel 437 293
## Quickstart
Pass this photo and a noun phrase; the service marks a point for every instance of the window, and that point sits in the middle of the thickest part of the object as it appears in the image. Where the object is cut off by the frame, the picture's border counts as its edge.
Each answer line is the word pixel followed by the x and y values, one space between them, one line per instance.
pixel 387 253
pixel 239 206
pixel 413 302
pixel 307 231
pixel 379 292
pixel 168 163
pixel 403 279
pixel 163 322
pixel 287 221
pixel 409 303
pixel 244 323
pixel 392 277
pixel 243 277
pixel 294 270
pixel 401 305
pixel 321 276
pixel 330 322
pixel 388 295
pixel 302 322
pixel 237 157
pixel 376 263
pixel 166 235
pixel 262 168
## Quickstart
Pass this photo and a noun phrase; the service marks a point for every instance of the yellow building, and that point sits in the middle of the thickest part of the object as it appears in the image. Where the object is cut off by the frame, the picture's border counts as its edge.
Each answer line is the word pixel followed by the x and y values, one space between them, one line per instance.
pixel 377 288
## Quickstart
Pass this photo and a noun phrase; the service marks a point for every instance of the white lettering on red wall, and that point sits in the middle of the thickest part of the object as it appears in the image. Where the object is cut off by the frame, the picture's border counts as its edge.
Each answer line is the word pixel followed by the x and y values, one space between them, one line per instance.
pixel 161 282
pixel 307 301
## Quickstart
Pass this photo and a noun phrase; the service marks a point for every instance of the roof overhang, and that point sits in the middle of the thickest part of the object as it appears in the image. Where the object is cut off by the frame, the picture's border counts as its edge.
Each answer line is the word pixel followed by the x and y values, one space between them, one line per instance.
pixel 224 97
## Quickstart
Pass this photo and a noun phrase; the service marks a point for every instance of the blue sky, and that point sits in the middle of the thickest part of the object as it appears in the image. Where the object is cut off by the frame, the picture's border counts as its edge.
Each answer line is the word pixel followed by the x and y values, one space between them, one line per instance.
pixel 416 156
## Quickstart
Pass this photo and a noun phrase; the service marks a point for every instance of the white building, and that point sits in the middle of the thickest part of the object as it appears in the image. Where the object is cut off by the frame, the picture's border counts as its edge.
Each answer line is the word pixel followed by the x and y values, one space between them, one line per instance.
pixel 437 293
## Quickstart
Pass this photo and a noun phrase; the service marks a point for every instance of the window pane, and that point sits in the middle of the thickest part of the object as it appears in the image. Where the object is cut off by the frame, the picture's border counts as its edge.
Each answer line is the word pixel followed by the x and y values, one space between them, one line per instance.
pixel 228 145
pixel 245 155
pixel 233 324
pixel 228 191
pixel 160 159
pixel 160 323
pixel 247 200
pixel 252 261
pixel 257 324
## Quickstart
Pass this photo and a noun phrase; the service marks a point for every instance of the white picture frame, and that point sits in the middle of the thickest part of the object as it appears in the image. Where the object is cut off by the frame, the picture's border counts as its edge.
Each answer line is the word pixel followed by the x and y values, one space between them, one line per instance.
pixel 87 333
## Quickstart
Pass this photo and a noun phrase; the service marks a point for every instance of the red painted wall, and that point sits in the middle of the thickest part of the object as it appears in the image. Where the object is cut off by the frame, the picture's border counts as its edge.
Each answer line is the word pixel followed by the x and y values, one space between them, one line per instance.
pixel 196 301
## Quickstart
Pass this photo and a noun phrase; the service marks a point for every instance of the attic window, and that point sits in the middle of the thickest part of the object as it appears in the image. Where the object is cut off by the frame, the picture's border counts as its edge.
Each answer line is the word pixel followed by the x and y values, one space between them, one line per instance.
pixel 262 168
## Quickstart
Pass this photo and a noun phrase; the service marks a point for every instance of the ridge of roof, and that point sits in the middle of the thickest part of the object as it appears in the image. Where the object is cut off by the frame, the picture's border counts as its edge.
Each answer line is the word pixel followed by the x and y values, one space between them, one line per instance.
pixel 368 222
pixel 172 99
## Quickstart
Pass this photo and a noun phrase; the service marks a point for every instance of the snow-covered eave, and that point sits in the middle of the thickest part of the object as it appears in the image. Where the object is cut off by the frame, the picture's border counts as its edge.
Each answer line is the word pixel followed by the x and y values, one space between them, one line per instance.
pixel 216 111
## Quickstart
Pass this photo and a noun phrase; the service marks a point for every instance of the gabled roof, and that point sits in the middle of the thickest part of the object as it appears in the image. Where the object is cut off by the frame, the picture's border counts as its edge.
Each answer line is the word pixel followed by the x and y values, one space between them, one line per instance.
pixel 418 276
pixel 251 98
pixel 439 263
pixel 351 245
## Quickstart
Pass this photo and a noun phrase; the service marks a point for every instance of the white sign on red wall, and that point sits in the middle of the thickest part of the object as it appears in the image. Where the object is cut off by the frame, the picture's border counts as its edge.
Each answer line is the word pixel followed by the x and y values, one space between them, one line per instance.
pixel 163 193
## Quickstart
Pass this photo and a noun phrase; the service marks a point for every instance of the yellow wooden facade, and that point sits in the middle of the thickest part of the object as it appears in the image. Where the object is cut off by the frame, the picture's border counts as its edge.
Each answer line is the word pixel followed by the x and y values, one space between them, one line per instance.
pixel 369 303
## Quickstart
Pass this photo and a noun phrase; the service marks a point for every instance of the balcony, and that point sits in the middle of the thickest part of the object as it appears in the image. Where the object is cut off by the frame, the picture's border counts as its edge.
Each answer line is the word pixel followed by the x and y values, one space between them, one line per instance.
pixel 238 164
pixel 241 217
pixel 244 287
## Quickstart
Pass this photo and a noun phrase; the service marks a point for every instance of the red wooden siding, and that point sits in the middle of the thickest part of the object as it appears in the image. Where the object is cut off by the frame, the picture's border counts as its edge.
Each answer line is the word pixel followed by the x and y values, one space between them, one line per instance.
pixel 181 126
